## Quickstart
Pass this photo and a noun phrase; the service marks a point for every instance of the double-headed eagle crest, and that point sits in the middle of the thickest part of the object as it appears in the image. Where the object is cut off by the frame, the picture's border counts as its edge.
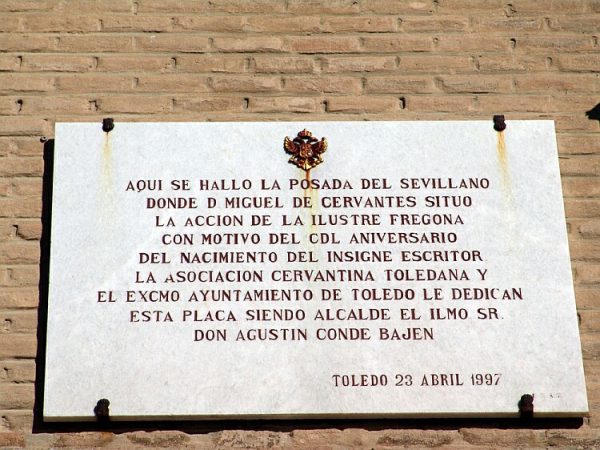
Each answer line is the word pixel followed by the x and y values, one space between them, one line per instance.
pixel 305 149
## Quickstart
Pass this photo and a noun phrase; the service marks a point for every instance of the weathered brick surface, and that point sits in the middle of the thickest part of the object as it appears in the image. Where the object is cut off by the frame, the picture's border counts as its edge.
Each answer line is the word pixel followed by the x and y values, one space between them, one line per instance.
pixel 290 60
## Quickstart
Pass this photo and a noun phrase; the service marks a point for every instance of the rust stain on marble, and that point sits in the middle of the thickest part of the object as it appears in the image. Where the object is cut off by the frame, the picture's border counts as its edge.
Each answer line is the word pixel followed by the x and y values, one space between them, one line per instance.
pixel 503 164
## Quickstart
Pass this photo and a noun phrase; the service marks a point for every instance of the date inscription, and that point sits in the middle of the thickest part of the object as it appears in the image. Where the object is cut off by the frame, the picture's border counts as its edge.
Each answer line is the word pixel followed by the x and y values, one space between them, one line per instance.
pixel 409 379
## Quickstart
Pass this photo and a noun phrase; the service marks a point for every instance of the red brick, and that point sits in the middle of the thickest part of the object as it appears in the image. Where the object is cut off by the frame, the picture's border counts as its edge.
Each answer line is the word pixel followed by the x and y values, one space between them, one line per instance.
pixel 510 63
pixel 27 5
pixel 79 43
pixel 16 396
pixel 586 273
pixel 323 44
pixel 245 84
pixel 358 64
pixel 400 85
pixel 10 24
pixel 417 438
pixel 372 24
pixel 12 42
pixel 588 250
pixel 134 104
pixel 579 144
pixel 94 82
pixel 515 103
pixel 243 6
pixel 57 63
pixel 439 103
pixel 557 6
pixel 77 6
pixel 180 43
pixel 388 7
pixel 205 104
pixel 475 84
pixel 209 23
pixel 343 85
pixel 16 420
pixel 554 43
pixel 15 126
pixel 17 346
pixel 165 83
pixel 283 24
pixel 472 42
pixel 579 63
pixel 434 24
pixel 55 105
pixel 320 7
pixel 137 63
pixel 362 104
pixel 508 23
pixel 38 23
pixel 162 439
pixel 582 438
pixel 11 439
pixel 22 276
pixel 578 24
pixel 8 229
pixel 283 64
pixel 20 207
pixel 9 63
pixel 436 64
pixel 590 345
pixel 393 44
pixel 84 440
pixel 587 297
pixel 349 438
pixel 30 230
pixel 247 44
pixel 210 63
pixel 22 146
pixel 19 252
pixel 280 104
pixel 573 122
pixel 172 6
pixel 588 229
pixel 18 322
pixel 579 166
pixel 10 105
pixel 567 82
pixel 26 186
pixel 581 186
pixel 147 24
pixel 17 83
pixel 582 208
pixel 504 438
pixel 487 6
pixel 18 298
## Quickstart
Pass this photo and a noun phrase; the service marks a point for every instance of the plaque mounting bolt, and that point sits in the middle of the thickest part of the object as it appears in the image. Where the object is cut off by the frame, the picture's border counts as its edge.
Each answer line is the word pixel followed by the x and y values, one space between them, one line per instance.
pixel 499 124
pixel 108 124
pixel 101 410
pixel 526 406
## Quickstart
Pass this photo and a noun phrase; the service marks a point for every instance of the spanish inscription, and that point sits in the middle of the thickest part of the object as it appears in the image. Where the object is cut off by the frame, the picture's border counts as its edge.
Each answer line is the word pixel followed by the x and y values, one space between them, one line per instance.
pixel 417 269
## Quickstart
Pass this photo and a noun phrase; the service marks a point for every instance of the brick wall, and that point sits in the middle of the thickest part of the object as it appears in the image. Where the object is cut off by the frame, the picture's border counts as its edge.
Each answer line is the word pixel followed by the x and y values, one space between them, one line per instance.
pixel 172 60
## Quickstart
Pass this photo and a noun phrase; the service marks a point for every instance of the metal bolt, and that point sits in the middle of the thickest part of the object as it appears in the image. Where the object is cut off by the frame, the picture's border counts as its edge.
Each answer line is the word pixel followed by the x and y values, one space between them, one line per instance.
pixel 107 125
pixel 499 124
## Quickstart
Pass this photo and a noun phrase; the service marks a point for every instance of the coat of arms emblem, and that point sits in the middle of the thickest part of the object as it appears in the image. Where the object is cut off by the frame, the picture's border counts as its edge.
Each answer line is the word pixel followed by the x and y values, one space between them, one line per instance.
pixel 305 149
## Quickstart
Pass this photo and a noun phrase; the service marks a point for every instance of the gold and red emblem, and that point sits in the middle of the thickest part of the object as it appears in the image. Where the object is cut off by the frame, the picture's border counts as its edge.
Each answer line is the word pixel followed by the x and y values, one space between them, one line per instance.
pixel 305 149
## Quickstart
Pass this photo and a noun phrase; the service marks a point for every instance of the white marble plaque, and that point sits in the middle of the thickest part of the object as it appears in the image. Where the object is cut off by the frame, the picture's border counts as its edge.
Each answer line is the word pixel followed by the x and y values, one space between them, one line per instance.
pixel 421 269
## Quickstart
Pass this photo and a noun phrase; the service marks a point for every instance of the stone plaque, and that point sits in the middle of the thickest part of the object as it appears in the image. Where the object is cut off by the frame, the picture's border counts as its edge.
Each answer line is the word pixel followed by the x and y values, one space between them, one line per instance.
pixel 318 269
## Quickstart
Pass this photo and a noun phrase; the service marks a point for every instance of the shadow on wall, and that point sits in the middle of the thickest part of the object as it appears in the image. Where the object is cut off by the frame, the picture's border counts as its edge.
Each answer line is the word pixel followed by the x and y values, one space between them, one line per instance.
pixel 200 426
